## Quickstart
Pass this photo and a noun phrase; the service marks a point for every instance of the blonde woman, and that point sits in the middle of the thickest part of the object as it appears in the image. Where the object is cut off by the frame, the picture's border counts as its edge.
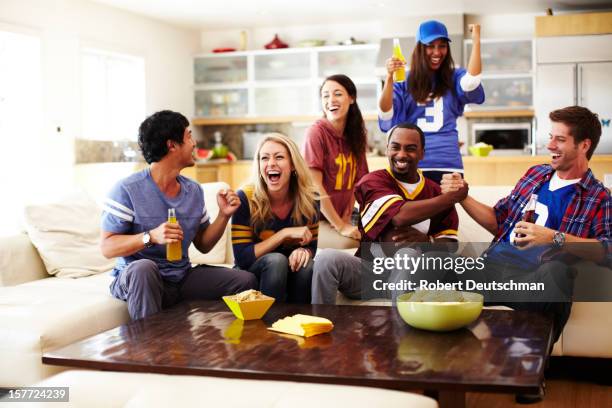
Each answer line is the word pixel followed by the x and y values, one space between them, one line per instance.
pixel 275 230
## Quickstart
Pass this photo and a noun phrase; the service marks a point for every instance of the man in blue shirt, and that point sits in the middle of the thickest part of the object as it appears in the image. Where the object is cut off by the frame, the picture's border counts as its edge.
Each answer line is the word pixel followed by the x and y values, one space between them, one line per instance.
pixel 135 226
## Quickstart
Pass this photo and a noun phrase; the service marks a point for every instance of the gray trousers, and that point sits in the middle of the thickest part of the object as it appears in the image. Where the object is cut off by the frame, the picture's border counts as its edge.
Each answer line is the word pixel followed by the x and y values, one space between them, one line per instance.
pixel 146 292
pixel 335 271
pixel 338 271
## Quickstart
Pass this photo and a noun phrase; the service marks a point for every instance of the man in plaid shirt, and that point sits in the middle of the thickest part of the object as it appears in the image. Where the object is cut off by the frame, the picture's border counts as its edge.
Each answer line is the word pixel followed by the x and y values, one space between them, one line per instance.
pixel 572 207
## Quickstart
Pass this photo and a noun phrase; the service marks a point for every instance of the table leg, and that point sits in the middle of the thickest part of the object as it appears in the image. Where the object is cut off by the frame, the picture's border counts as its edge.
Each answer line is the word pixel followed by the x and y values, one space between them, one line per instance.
pixel 451 399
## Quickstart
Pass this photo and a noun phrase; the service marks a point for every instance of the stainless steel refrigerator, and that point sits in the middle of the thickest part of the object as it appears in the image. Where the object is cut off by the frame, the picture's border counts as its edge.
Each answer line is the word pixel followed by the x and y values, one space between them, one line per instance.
pixel 574 71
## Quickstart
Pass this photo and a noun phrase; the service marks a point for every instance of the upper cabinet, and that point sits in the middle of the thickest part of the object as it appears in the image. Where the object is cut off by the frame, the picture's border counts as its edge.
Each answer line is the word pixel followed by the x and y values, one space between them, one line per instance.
pixel 507 73
pixel 282 82
pixel 281 65
pixel 220 68
pixel 357 63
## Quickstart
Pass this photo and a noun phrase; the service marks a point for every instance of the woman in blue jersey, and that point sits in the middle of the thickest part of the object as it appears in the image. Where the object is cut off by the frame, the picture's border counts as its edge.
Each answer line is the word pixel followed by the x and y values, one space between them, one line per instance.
pixel 433 96
pixel 275 230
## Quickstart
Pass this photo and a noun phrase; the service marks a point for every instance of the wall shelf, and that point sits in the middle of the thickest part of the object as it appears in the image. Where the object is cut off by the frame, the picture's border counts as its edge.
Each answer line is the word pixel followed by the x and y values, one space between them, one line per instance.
pixel 517 113
pixel 254 120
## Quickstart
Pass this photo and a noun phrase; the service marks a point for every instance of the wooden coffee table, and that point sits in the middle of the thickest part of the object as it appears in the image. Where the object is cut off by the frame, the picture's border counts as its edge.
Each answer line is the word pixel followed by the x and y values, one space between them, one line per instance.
pixel 503 351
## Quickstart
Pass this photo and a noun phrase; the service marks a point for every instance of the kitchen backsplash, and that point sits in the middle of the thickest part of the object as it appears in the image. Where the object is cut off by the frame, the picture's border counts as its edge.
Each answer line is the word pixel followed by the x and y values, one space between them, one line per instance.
pixel 96 151
pixel 232 135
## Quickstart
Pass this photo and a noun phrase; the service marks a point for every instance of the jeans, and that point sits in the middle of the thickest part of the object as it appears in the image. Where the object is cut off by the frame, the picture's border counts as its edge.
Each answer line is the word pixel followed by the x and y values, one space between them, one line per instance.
pixel 277 280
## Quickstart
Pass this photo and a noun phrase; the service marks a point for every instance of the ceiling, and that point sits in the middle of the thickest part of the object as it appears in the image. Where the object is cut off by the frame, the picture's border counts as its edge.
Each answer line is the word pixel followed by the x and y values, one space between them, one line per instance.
pixel 231 14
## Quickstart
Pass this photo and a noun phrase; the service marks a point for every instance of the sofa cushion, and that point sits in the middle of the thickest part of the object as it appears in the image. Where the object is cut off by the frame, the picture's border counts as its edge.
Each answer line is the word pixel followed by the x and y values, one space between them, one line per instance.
pixel 48 313
pixel 66 234
pixel 216 255
pixel 136 390
pixel 19 261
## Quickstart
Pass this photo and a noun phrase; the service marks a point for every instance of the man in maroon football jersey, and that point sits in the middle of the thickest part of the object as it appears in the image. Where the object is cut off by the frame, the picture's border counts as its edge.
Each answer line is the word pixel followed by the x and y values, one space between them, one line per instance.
pixel 397 205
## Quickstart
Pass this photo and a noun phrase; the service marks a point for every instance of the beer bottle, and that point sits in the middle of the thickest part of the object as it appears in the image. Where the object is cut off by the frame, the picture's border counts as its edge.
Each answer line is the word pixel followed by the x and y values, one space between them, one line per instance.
pixel 400 74
pixel 174 250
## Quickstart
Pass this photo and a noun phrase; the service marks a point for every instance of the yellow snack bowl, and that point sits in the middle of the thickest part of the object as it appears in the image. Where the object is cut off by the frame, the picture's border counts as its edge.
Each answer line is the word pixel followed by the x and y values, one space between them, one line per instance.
pixel 480 151
pixel 250 309
pixel 440 316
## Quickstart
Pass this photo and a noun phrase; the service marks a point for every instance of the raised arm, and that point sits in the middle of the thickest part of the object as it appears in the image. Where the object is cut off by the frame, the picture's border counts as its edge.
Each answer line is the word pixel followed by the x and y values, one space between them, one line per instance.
pixel 385 103
pixel 475 63
pixel 206 238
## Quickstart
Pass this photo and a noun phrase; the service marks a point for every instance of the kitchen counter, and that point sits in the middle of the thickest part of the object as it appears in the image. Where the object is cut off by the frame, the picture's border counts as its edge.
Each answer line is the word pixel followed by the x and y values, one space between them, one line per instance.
pixel 500 170
pixel 492 170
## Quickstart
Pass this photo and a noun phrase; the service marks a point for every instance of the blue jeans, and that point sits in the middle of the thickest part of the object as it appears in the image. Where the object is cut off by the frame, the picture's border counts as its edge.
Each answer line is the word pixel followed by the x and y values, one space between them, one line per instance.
pixel 277 280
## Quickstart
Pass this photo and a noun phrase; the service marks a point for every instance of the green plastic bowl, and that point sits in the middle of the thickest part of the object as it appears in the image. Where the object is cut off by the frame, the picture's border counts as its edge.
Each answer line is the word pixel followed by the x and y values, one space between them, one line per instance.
pixel 481 151
pixel 440 316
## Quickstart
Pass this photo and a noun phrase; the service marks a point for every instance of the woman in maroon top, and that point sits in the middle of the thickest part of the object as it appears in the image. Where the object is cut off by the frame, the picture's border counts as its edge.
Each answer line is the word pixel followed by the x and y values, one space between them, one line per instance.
pixel 335 151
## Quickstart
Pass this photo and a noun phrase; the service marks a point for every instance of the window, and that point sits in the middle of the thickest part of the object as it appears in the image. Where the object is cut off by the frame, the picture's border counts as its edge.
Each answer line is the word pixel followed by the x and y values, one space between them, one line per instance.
pixel 112 95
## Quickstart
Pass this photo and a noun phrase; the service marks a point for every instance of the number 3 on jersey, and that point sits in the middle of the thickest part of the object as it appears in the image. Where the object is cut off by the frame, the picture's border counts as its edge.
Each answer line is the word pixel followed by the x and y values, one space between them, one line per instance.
pixel 433 119
pixel 343 162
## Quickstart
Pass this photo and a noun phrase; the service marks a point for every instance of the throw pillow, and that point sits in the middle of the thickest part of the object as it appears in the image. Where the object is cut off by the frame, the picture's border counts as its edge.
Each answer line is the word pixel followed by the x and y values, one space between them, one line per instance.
pixel 67 236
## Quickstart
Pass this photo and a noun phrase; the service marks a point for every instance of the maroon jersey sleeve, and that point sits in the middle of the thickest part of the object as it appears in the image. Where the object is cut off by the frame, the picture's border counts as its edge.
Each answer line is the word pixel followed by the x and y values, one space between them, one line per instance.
pixel 379 201
pixel 446 223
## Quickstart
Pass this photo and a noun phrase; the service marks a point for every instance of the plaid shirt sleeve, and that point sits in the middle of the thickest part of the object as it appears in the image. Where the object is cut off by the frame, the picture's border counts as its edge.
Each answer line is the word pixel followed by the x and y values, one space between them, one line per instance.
pixel 501 210
pixel 508 208
pixel 601 227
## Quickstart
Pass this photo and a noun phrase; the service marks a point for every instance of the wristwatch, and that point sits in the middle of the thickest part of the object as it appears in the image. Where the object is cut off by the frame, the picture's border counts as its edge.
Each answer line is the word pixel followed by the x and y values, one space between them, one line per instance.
pixel 559 239
pixel 146 239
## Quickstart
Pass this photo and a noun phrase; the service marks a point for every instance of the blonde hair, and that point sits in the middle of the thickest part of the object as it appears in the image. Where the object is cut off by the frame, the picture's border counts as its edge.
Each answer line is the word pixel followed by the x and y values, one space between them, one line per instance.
pixel 301 186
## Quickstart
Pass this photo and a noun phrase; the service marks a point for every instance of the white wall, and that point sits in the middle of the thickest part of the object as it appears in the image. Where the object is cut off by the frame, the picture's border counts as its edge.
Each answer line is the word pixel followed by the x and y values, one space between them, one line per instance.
pixel 493 26
pixel 64 26
pixel 369 31
pixel 507 26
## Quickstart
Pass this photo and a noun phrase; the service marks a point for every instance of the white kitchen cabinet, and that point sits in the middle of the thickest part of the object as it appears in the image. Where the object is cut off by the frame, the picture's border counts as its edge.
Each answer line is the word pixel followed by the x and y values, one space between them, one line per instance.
pixel 358 64
pixel 585 81
pixel 282 82
pixel 555 88
pixel 585 84
pixel 507 73
pixel 282 65
pixel 283 100
pixel 221 102
pixel 220 68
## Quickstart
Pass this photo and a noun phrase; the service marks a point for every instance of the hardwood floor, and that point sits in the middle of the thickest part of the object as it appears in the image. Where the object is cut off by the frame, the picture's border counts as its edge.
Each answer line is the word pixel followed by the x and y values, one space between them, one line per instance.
pixel 570 383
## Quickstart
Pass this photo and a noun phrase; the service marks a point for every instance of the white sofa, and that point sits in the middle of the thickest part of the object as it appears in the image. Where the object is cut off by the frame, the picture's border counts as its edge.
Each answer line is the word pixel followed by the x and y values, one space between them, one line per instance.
pixel 156 390
pixel 40 313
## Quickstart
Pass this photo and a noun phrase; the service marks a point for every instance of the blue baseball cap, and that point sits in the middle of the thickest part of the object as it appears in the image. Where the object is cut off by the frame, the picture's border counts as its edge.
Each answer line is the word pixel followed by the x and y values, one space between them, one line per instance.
pixel 430 31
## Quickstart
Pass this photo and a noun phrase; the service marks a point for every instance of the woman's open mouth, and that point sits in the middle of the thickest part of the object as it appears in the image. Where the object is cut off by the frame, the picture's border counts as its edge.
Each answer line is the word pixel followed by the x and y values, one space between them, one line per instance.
pixel 273 176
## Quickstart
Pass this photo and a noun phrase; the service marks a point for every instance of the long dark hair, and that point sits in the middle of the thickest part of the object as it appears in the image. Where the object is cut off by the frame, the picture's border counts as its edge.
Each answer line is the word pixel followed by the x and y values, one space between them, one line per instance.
pixel 355 132
pixel 420 79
